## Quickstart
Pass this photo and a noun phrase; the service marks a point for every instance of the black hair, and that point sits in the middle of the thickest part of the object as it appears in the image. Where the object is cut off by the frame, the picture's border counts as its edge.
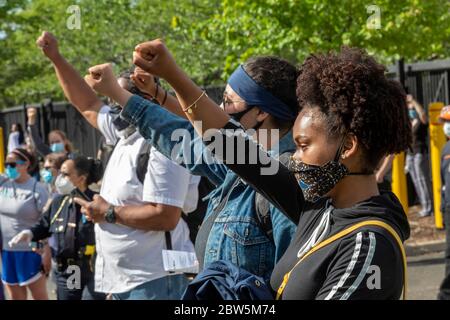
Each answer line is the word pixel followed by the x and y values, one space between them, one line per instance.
pixel 24 155
pixel 56 159
pixel 277 76
pixel 89 167
pixel 354 96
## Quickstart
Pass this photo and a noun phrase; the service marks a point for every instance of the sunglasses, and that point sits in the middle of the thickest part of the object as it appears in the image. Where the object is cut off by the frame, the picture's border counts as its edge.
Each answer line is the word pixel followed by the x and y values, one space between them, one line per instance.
pixel 14 164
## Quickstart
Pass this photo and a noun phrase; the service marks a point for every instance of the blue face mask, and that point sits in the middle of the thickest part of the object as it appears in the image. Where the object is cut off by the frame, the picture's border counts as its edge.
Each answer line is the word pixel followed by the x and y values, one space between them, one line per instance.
pixel 12 173
pixel 412 114
pixel 447 129
pixel 57 147
pixel 46 176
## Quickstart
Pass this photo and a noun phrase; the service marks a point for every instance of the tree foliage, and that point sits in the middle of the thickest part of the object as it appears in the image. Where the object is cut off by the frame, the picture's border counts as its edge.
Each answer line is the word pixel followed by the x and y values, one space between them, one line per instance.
pixel 209 38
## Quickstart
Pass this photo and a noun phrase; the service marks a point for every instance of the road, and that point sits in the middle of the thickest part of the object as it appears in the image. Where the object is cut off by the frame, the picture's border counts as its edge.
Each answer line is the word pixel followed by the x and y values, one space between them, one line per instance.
pixel 425 274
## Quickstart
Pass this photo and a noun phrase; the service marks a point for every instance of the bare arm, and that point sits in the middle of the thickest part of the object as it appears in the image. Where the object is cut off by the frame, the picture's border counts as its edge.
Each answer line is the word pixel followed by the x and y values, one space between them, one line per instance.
pixel 149 217
pixel 156 59
pixel 420 110
pixel 33 132
pixel 155 217
pixel 146 83
pixel 385 166
pixel 75 88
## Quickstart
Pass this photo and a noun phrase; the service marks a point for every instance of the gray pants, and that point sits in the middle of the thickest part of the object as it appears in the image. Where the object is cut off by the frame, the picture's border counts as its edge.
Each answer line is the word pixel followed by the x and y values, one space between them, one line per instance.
pixel 418 168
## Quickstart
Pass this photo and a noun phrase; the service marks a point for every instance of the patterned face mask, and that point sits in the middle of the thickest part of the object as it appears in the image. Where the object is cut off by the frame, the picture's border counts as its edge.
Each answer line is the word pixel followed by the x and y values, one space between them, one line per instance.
pixel 316 181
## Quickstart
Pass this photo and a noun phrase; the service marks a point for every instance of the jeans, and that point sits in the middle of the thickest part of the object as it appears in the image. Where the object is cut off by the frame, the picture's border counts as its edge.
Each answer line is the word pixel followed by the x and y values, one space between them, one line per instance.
pixel 418 168
pixel 84 290
pixel 234 234
pixel 170 287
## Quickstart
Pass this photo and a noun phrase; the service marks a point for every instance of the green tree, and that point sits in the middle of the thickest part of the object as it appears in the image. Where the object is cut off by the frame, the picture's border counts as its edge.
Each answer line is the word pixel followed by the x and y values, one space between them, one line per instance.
pixel 209 38
pixel 412 29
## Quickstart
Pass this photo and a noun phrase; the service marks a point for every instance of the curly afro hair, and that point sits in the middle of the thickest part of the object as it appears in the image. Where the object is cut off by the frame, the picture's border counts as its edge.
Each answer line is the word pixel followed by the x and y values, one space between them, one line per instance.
pixel 354 96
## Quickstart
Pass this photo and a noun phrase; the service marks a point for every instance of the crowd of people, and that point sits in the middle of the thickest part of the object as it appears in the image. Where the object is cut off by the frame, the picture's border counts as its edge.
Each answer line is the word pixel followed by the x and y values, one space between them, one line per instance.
pixel 285 181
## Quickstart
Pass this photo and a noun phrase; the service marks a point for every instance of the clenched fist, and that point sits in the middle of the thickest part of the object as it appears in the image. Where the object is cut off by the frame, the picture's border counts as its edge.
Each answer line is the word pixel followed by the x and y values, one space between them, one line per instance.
pixel 101 78
pixel 31 115
pixel 155 58
pixel 49 45
pixel 144 81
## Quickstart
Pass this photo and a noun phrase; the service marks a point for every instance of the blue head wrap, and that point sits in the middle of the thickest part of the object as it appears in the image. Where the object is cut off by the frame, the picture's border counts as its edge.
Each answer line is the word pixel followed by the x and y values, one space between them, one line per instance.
pixel 255 95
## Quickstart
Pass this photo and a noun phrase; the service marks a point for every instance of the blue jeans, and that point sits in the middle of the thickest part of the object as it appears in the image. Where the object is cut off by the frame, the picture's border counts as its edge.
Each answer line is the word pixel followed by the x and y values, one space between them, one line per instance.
pixel 236 234
pixel 169 287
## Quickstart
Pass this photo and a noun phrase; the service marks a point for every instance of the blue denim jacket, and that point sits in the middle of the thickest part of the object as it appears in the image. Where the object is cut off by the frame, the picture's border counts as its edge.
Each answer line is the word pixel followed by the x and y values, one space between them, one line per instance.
pixel 236 235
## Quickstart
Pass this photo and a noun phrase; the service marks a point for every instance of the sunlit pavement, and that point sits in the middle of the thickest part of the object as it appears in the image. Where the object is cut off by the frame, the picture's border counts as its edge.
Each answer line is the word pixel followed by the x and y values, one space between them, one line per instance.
pixel 425 274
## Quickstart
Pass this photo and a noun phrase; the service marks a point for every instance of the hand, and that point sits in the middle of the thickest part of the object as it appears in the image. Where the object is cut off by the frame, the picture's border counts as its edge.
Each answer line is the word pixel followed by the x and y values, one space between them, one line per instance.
pixel 22 236
pixel 144 81
pixel 49 45
pixel 155 58
pixel 31 114
pixel 95 210
pixel 101 78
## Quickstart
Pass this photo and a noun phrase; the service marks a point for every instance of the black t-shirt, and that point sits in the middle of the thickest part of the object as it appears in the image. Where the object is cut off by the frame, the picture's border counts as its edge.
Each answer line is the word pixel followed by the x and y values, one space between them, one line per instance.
pixel 419 135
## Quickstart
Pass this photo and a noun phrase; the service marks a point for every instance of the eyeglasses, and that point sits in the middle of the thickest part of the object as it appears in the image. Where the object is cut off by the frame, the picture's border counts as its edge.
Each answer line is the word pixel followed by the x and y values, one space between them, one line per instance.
pixel 227 101
pixel 14 164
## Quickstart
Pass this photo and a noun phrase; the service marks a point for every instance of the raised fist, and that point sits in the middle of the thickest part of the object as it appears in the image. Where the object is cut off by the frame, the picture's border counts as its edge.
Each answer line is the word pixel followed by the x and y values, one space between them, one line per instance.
pixel 31 115
pixel 49 45
pixel 144 81
pixel 154 57
pixel 101 78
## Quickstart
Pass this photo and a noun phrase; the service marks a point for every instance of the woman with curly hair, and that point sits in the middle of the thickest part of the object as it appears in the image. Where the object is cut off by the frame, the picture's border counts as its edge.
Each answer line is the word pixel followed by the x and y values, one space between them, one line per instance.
pixel 348 242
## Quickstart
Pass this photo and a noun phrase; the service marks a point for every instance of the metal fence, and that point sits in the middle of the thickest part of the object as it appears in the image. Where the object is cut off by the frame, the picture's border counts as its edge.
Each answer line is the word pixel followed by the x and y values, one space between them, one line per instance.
pixel 426 81
pixel 63 116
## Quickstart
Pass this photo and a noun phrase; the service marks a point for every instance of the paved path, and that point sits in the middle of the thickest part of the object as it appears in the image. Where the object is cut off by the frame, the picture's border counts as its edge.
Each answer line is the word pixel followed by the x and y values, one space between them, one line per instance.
pixel 425 274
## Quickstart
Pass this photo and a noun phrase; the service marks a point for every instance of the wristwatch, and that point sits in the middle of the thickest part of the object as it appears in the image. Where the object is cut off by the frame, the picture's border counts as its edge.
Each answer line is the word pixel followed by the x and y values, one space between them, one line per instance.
pixel 110 215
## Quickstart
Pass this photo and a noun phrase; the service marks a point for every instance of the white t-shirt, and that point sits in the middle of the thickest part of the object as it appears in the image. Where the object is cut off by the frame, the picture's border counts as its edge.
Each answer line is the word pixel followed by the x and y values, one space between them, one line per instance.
pixel 128 257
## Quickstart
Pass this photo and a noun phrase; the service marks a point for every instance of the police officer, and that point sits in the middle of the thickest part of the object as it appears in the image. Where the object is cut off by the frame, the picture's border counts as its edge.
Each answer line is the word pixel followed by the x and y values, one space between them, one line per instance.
pixel 73 249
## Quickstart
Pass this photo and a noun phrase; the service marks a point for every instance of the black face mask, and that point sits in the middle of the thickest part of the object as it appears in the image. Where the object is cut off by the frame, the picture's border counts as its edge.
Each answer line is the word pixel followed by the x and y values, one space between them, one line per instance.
pixel 238 116
pixel 316 181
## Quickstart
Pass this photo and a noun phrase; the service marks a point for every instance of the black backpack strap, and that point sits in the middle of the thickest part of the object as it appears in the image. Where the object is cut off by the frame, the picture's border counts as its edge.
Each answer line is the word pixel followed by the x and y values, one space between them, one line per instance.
pixel 142 161
pixel 168 240
pixel 141 171
pixel 207 224
pixel 262 205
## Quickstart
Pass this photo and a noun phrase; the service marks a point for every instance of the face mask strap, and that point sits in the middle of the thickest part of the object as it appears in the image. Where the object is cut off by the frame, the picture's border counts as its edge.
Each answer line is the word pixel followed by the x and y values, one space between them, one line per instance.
pixel 367 173
pixel 336 159
pixel 238 115
pixel 339 150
